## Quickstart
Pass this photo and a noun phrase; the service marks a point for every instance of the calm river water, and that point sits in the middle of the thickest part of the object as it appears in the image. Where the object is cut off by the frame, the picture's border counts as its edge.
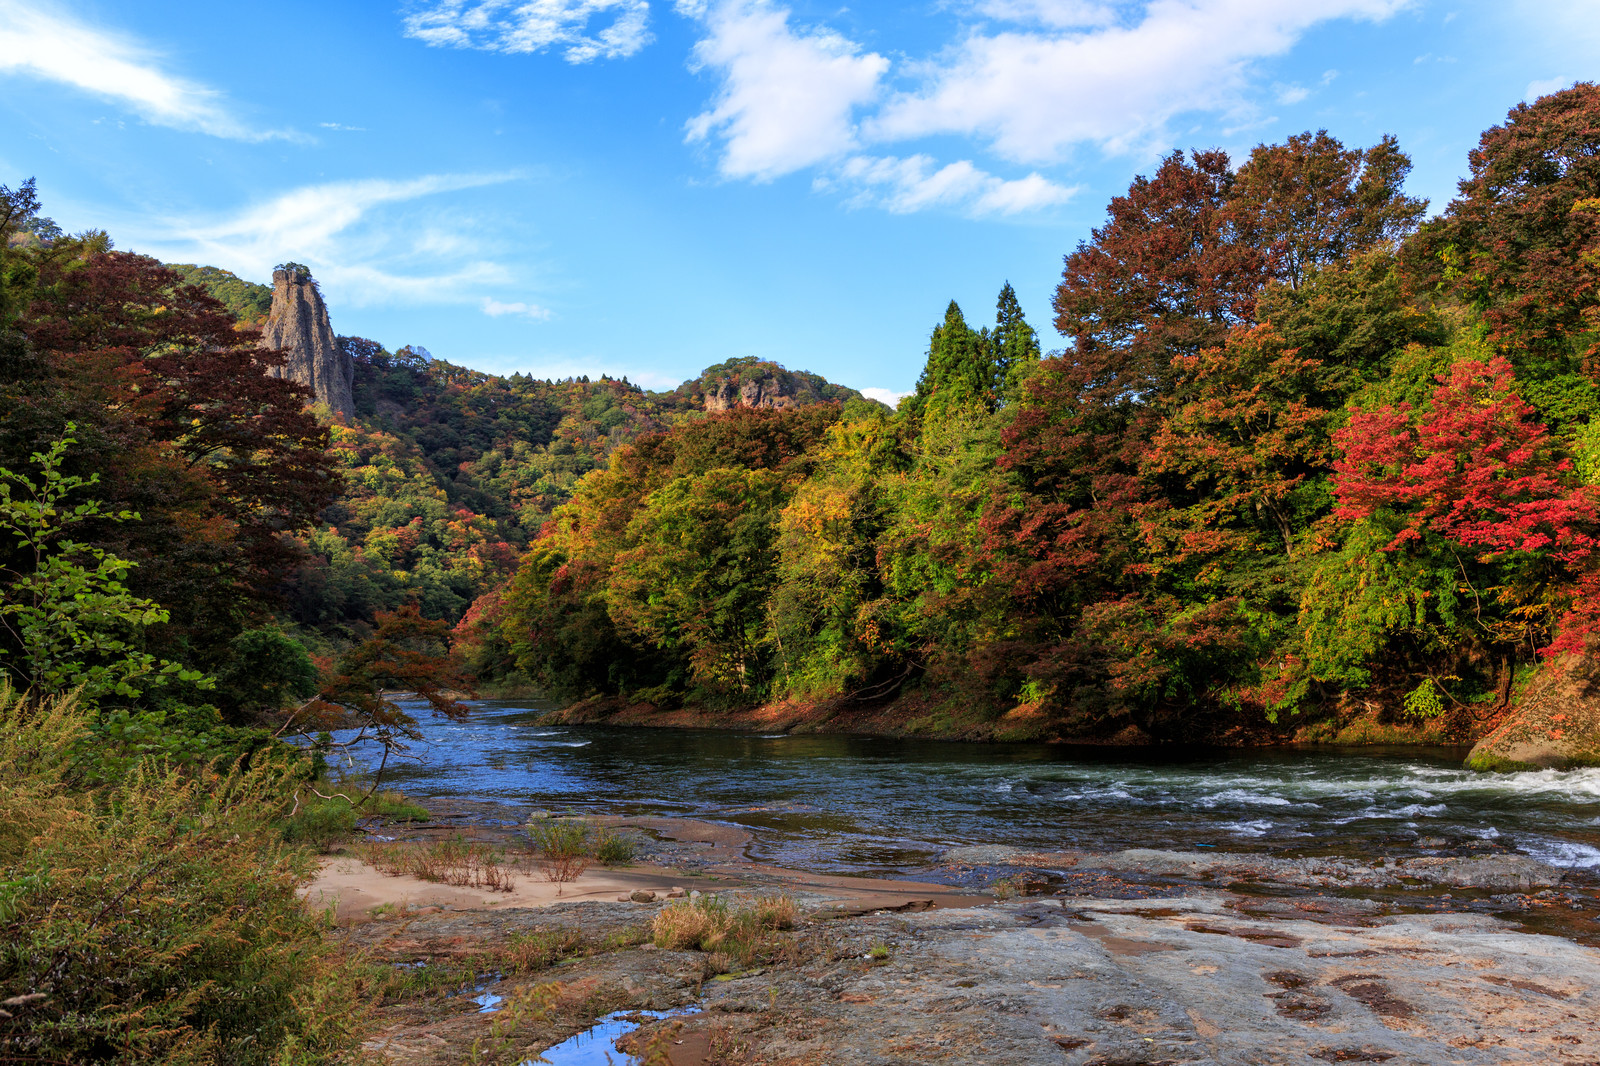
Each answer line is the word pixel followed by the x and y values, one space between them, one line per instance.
pixel 859 804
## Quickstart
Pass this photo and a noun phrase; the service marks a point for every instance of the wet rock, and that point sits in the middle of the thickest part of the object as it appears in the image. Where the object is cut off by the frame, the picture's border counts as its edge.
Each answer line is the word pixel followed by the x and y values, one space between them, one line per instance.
pixel 1488 871
pixel 981 854
pixel 1183 981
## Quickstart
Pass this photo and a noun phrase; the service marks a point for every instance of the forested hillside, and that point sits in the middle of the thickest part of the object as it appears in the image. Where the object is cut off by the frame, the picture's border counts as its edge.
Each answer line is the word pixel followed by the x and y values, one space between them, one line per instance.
pixel 449 473
pixel 1304 453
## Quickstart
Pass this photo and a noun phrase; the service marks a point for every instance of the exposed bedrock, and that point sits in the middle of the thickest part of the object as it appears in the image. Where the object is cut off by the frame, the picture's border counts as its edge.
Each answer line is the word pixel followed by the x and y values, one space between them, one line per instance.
pixel 298 324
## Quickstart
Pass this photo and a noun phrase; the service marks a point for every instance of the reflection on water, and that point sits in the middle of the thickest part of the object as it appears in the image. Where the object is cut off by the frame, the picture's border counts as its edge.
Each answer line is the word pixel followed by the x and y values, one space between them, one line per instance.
pixel 859 804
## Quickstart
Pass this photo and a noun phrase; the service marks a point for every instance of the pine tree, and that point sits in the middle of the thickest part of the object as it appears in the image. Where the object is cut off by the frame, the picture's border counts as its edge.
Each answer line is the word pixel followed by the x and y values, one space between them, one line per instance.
pixel 1015 346
pixel 960 372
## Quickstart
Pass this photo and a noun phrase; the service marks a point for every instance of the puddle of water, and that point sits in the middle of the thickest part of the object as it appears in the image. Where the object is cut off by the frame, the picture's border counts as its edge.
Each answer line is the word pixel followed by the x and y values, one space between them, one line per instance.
pixel 596 1045
pixel 488 1002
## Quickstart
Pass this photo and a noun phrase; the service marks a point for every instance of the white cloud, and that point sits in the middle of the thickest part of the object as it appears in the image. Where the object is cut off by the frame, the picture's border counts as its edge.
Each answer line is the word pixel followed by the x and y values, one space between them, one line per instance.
pixel 788 97
pixel 523 26
pixel 338 230
pixel 1545 87
pixel 494 309
pixel 1059 14
pixel 1291 94
pixel 1034 94
pixel 342 126
pixel 38 42
pixel 918 182
pixel 884 396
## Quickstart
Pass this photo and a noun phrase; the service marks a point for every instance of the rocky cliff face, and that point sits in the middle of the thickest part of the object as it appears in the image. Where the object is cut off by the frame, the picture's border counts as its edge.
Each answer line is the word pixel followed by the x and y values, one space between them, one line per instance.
pixel 770 393
pixel 750 382
pixel 298 324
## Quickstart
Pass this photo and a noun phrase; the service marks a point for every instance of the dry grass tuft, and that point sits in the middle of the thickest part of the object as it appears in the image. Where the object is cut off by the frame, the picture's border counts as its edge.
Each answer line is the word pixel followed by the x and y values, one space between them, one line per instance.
pixel 742 932
pixel 447 862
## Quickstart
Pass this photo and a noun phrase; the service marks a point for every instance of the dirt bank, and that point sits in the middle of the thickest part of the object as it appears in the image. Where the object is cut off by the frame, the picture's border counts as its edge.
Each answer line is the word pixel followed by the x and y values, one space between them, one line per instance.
pixel 935 718
pixel 1555 724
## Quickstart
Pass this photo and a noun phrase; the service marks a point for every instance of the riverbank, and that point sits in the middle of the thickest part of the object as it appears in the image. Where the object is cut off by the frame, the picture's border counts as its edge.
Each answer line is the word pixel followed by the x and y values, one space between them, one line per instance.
pixel 920 716
pixel 998 956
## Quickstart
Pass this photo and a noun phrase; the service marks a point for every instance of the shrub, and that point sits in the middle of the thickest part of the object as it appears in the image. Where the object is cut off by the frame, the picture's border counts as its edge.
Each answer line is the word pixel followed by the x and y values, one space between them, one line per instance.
pixel 450 862
pixel 563 849
pixel 613 849
pixel 155 915
pixel 322 822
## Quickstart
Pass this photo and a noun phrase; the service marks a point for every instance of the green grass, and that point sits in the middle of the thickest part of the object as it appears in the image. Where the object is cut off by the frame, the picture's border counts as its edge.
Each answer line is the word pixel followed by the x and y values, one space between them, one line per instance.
pixel 323 823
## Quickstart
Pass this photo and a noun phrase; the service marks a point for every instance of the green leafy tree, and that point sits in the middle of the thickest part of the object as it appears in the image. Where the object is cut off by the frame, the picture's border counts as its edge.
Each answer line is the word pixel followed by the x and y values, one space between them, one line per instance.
pixel 70 622
pixel 699 573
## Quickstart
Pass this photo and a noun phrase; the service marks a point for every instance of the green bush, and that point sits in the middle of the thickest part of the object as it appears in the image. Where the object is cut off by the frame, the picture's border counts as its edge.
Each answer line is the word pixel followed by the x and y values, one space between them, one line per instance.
pixel 557 838
pixel 155 915
pixel 613 849
pixel 323 823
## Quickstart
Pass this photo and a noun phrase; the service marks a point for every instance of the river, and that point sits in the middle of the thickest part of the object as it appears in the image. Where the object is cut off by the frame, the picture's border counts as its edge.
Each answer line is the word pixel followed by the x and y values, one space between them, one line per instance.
pixel 849 804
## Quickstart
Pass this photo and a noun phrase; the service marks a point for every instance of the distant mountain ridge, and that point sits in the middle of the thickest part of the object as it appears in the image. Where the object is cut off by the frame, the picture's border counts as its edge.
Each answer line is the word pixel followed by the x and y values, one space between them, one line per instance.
pixel 743 381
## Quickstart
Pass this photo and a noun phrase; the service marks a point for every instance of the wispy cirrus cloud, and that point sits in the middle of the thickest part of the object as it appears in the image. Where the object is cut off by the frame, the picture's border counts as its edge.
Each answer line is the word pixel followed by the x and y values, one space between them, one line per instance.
pixel 914 183
pixel 495 309
pixel 522 26
pixel 41 42
pixel 350 236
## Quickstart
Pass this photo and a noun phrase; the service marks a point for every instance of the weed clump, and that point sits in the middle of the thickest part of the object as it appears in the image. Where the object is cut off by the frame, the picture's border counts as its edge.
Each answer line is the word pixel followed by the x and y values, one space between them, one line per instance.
pixel 741 932
pixel 613 849
pixel 563 849
pixel 464 863
pixel 323 821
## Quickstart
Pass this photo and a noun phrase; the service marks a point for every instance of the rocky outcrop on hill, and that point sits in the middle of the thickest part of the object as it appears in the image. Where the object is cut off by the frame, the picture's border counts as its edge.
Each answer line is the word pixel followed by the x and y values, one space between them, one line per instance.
pixel 751 382
pixel 730 394
pixel 1555 724
pixel 298 324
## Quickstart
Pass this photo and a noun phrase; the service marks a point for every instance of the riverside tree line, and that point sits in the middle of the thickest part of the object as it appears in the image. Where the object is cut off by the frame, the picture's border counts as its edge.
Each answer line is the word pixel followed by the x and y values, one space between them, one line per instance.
pixel 1303 450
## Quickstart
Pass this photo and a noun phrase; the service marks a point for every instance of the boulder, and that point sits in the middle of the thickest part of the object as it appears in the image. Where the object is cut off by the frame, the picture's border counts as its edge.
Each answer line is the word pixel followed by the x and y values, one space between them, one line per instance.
pixel 1554 725
pixel 981 854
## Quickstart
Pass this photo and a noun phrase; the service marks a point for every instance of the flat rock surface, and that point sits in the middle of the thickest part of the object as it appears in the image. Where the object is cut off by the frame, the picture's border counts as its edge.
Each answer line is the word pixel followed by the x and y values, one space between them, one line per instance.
pixel 1205 978
pixel 1176 981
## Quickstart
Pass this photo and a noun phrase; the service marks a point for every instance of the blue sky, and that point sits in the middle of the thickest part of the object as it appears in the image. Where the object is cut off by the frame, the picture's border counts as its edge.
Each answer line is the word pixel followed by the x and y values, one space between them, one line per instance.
pixel 646 187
